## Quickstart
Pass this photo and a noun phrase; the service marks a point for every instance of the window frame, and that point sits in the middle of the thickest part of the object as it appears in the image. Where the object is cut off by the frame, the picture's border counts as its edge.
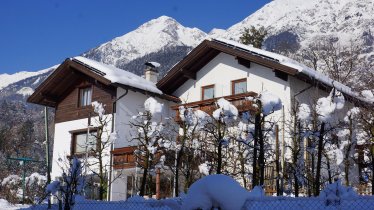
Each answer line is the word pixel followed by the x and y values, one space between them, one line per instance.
pixel 233 82
pixel 73 142
pixel 203 88
pixel 80 95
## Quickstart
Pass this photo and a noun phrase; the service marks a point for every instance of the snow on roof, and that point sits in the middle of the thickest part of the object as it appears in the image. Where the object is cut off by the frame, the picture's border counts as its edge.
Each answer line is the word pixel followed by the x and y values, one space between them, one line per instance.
pixel 296 65
pixel 116 75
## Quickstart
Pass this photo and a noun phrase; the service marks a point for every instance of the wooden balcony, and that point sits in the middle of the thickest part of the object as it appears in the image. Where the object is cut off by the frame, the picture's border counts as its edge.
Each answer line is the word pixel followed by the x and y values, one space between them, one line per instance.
pixel 123 158
pixel 209 105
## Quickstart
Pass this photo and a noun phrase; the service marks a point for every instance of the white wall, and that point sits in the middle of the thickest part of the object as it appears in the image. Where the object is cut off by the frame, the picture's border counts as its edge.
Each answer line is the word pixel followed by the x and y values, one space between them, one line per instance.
pixel 222 70
pixel 127 107
pixel 62 142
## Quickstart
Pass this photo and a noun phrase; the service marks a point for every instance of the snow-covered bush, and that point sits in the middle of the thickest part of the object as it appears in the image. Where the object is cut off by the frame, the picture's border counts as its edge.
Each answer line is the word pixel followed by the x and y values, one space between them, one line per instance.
pixel 332 193
pixel 218 191
pixel 34 188
pixel 11 186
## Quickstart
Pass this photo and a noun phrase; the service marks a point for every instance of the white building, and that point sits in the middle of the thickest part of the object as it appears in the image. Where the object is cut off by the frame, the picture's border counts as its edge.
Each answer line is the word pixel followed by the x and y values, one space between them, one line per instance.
pixel 214 69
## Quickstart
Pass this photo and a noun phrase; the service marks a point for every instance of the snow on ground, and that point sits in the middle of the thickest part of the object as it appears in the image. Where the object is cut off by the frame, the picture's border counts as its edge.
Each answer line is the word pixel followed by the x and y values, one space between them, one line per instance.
pixel 5 205
pixel 224 192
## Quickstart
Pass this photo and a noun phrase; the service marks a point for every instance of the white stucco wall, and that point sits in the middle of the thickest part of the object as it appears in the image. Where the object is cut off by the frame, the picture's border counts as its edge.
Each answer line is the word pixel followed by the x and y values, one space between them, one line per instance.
pixel 127 107
pixel 62 141
pixel 223 69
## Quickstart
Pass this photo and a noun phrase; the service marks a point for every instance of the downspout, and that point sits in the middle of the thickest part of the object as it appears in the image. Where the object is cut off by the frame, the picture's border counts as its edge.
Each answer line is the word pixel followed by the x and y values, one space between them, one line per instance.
pixel 114 107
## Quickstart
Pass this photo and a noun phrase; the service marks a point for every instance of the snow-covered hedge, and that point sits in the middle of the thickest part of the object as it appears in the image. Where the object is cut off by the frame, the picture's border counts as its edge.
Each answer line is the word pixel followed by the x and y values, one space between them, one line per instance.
pixel 35 184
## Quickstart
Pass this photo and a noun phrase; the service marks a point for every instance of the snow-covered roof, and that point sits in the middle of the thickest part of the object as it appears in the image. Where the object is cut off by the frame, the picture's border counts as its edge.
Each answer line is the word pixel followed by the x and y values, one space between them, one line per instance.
pixel 116 75
pixel 301 68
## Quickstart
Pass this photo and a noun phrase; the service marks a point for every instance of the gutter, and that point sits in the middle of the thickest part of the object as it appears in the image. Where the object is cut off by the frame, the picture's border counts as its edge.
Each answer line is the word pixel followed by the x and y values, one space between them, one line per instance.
pixel 114 107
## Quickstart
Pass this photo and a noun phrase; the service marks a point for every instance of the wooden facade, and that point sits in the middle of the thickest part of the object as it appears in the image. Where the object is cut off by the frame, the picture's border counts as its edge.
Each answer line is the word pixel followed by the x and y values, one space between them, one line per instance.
pixel 69 109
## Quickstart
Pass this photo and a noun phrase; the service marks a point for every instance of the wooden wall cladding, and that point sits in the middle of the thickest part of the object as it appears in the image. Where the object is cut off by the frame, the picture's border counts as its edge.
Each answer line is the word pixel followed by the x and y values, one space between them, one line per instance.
pixel 68 108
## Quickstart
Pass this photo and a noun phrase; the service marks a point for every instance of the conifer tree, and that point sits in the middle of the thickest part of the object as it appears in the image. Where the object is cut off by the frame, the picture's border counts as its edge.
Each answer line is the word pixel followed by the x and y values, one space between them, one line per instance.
pixel 253 36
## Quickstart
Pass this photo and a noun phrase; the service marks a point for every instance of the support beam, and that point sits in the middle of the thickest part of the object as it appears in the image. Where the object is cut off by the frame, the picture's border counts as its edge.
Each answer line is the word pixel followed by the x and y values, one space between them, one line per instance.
pixel 188 74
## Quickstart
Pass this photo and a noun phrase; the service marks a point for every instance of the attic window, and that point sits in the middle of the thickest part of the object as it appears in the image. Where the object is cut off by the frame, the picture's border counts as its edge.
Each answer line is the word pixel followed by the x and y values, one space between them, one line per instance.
pixel 281 75
pixel 85 96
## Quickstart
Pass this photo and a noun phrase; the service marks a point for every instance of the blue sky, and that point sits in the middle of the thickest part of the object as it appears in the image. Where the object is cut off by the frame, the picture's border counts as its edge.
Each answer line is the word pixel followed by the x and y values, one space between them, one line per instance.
pixel 36 34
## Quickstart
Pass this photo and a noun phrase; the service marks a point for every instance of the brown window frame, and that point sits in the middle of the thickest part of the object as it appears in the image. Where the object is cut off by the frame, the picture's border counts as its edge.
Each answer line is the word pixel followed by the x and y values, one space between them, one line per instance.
pixel 79 95
pixel 207 87
pixel 73 144
pixel 233 82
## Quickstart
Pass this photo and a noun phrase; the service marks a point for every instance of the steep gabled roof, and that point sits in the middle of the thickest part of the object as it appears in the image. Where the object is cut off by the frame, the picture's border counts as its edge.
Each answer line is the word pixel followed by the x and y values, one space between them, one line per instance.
pixel 208 49
pixel 60 82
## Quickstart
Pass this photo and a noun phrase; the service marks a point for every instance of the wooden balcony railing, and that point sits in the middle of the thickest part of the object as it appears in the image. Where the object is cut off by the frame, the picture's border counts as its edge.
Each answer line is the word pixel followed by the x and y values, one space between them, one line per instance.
pixel 123 157
pixel 209 105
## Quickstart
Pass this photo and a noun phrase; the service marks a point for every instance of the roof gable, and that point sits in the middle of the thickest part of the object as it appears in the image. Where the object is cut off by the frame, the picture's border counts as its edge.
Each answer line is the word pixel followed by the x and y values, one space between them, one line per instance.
pixel 58 84
pixel 208 49
pixel 203 54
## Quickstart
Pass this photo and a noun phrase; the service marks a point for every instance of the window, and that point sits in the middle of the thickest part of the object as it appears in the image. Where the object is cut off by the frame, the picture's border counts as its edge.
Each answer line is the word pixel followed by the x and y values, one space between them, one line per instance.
pixel 239 86
pixel 85 96
pixel 79 143
pixel 207 92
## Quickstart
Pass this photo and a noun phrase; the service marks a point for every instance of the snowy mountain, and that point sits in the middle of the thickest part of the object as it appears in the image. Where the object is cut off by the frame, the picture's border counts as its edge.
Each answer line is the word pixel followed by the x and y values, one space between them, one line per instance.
pixel 292 24
pixel 7 79
pixel 19 85
pixel 163 40
pixel 153 36
pixel 299 23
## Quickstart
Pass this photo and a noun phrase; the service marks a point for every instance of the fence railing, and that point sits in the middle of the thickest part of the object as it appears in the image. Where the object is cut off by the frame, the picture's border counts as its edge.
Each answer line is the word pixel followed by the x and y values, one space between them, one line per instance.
pixel 259 203
pixel 309 203
pixel 168 204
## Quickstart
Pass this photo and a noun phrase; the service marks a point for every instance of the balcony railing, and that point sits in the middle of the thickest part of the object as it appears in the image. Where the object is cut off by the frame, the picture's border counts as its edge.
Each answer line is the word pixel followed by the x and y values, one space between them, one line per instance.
pixel 123 157
pixel 209 105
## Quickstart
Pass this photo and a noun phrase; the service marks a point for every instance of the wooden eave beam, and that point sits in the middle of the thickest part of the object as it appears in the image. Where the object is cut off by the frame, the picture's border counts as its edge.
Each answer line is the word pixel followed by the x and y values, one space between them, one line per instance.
pixel 253 58
pixel 174 72
pixel 188 74
pixel 88 72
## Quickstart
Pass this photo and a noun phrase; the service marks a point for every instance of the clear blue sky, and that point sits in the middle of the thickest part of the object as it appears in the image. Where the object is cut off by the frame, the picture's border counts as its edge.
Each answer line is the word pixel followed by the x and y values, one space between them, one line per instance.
pixel 36 34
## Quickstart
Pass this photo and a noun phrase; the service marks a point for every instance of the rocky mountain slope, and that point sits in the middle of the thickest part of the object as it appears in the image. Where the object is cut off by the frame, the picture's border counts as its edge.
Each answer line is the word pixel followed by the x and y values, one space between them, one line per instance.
pixel 292 25
pixel 297 24
pixel 163 35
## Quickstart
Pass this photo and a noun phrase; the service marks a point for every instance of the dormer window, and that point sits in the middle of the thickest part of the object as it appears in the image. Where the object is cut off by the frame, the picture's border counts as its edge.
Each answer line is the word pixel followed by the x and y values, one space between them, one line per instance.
pixel 85 96
pixel 239 86
pixel 207 92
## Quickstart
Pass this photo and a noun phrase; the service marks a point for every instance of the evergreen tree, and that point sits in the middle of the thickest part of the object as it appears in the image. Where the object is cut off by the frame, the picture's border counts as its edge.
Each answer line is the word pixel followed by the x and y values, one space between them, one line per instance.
pixel 253 36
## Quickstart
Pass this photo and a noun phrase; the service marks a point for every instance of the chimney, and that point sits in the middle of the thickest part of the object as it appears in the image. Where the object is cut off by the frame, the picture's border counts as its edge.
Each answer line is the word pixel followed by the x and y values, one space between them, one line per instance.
pixel 151 72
